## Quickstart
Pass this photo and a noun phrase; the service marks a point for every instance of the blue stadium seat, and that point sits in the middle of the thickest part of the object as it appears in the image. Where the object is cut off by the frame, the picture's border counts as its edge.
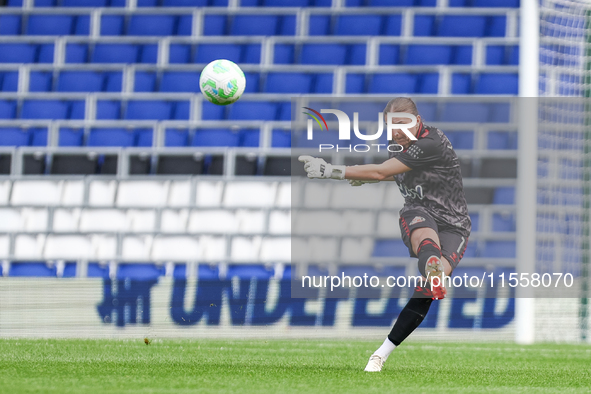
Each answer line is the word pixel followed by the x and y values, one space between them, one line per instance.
pixel 7 109
pixel 319 25
pixel 496 3
pixel 248 110
pixel 136 271
pixel 148 53
pixel 67 137
pixel 207 53
pixel 252 82
pixel 85 3
pixel 76 53
pixel 355 83
pixel 211 111
pixel 254 25
pixel 181 110
pixel 389 54
pixel 144 137
pixel 323 137
pixel 111 137
pixel 513 59
pixel 32 269
pixel 283 54
pixel 179 81
pixel 14 3
pixel 184 25
pixel 288 83
pixel 45 53
pixel 77 109
pixel 45 3
pixel 151 25
pixel 461 83
pixel 114 81
pixel 389 248
pixel 504 195
pixel 281 139
pixel 214 25
pixel 461 139
pixel 392 83
pixel 9 81
pixel 157 110
pixel 323 54
pixel 356 55
pixel 80 81
pixel 144 81
pixel 284 110
pixel 82 25
pixel 251 53
pixel 45 109
pixel 249 271
pixel 475 219
pixel 496 26
pixel 147 3
pixel 322 83
pixel 215 137
pixel 17 53
pixel 391 3
pixel 179 54
pixel 462 54
pixel 465 112
pixel 112 25
pixel 69 270
pixel 185 3
pixel 359 25
pixel 108 110
pixel 287 3
pixel 503 222
pixel 495 54
pixel 428 111
pixel 428 54
pixel 462 26
pixel 393 25
pixel 499 249
pixel 424 25
pixel 40 81
pixel 287 25
pixel 502 140
pixel 50 25
pixel 13 136
pixel 176 137
pixel 10 25
pixel 497 84
pixel 428 83
pixel 115 53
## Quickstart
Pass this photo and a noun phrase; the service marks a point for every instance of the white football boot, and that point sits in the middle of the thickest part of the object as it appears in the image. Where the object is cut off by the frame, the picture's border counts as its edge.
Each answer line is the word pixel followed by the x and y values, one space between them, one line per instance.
pixel 375 363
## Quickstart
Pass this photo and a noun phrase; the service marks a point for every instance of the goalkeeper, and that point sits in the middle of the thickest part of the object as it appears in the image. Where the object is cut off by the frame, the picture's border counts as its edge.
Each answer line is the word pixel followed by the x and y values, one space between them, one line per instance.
pixel 434 221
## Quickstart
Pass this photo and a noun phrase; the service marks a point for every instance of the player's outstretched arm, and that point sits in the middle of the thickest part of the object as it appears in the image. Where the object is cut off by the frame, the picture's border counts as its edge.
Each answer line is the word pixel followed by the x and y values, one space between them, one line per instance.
pixel 318 168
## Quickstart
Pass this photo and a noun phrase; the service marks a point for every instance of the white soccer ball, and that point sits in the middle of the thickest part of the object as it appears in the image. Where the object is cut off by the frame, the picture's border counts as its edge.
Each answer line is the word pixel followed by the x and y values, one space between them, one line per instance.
pixel 222 82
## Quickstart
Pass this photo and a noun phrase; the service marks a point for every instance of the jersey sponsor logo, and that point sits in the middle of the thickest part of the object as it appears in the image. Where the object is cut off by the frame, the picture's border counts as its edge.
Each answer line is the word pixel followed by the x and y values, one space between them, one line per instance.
pixel 415 193
pixel 417 219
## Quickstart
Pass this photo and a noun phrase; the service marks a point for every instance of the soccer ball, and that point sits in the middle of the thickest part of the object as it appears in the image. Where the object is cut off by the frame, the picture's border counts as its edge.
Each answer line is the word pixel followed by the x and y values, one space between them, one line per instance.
pixel 222 82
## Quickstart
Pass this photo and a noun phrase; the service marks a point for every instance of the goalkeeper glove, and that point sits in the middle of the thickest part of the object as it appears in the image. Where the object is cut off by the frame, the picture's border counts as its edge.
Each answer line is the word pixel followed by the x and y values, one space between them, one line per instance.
pixel 356 182
pixel 316 167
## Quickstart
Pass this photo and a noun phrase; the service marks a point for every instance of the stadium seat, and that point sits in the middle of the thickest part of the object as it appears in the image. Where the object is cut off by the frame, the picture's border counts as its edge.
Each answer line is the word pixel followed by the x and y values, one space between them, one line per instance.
pixel 211 111
pixel 503 222
pixel 424 25
pixel 158 110
pixel 497 84
pixel 176 249
pixel 82 25
pixel 179 54
pixel 319 25
pixel 428 83
pixel 112 25
pixel 85 3
pixel 254 25
pixel 179 81
pixel 496 3
pixel 286 3
pixel 207 53
pixel 502 140
pixel 75 53
pixel 45 109
pixel 389 248
pixel 32 269
pixel 111 137
pixel 428 54
pixel 245 110
pixel 393 25
pixel 215 137
pixel 288 83
pixel 80 81
pixel 144 81
pixel 323 54
pixel 214 25
pixel 499 249
pixel 10 25
pixel 140 272
pixel 389 54
pixel 185 3
pixel 151 25
pixel 251 53
pixel 283 54
pixel 355 25
pixel 496 26
pixel 12 136
pixel 7 109
pixel 504 195
pixel 465 112
pixel 392 83
pixel 462 26
pixel 113 82
pixel 9 81
pixel 47 25
pixel 355 83
pixel 149 53
pixel 40 81
pixel 176 137
pixel 67 137
pixel 115 53
pixel 17 53
pixel 77 109
pixel 141 194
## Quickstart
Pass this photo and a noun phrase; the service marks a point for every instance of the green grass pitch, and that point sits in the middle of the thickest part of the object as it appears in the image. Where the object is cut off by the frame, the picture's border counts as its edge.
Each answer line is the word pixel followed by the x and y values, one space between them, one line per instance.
pixel 306 366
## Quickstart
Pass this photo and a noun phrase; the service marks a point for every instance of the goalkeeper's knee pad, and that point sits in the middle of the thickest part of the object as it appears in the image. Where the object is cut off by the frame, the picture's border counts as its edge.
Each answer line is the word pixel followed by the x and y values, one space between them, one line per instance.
pixel 426 250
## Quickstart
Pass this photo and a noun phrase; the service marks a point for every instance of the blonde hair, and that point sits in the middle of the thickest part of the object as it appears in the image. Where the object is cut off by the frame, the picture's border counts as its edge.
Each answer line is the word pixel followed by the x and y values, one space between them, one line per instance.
pixel 401 104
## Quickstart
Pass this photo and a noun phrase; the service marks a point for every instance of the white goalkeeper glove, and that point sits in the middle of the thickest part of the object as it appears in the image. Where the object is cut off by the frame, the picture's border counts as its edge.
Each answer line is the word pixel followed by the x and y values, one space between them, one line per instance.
pixel 355 182
pixel 316 167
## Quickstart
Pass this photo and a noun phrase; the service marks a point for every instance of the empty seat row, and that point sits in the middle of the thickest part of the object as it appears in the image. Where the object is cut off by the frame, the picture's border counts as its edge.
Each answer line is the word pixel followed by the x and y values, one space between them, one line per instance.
pixel 141 193
pixel 257 25
pixel 268 3
pixel 142 137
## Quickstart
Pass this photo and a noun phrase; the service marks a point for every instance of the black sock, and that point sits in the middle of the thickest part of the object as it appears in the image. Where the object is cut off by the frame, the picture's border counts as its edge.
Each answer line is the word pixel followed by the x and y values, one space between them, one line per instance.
pixel 425 251
pixel 410 318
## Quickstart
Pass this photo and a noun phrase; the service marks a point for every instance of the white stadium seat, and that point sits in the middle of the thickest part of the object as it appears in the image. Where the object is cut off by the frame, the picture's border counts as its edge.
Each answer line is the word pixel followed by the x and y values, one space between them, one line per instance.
pixel 323 249
pixel 393 198
pixel 209 194
pixel 212 221
pixel 174 221
pixel 249 194
pixel 388 226
pixel 142 193
pixel 102 193
pixel 11 220
pixel 284 195
pixel 300 250
pixel 141 220
pixel 104 247
pixel 136 248
pixel 67 247
pixel 276 250
pixel 359 222
pixel 29 247
pixel 280 222
pixel 72 193
pixel 318 222
pixel 176 249
pixel 213 248
pixel 245 249
pixel 36 193
pixel 4 246
pixel 364 196
pixel 317 194
pixel 356 250
pixel 250 221
pixel 179 194
pixel 35 220
pixel 103 220
pixel 5 192
pixel 66 220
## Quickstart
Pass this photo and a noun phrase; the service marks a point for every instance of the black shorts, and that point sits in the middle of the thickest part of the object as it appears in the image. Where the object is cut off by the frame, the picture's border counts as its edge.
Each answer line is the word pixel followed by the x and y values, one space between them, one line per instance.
pixel 453 240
